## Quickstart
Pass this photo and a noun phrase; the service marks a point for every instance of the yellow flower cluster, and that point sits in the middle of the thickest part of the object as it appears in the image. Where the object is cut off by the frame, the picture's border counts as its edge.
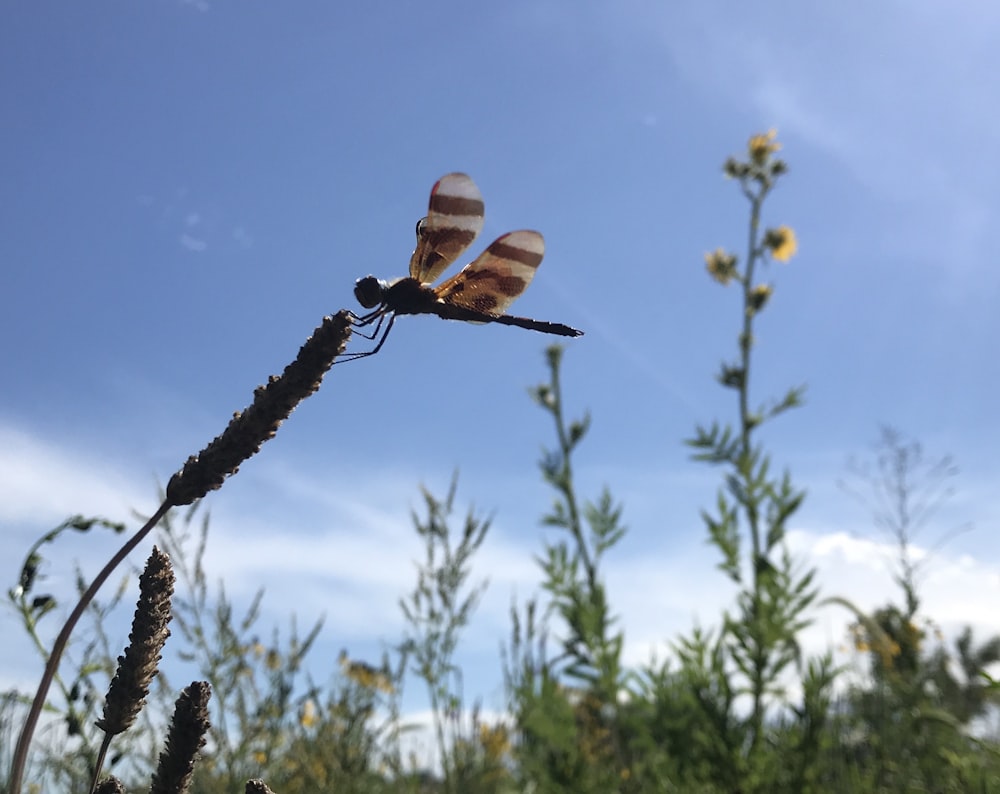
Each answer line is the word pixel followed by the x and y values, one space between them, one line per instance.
pixel 721 265
pixel 366 676
pixel 761 147
pixel 495 740
pixel 308 716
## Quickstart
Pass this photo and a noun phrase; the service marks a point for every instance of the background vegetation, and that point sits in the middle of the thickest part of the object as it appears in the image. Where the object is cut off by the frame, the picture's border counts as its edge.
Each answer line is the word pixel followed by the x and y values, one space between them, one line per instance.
pixel 737 707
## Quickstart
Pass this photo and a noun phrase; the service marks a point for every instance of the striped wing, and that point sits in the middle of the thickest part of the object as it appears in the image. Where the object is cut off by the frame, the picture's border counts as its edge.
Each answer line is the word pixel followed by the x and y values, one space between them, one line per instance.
pixel 497 276
pixel 454 218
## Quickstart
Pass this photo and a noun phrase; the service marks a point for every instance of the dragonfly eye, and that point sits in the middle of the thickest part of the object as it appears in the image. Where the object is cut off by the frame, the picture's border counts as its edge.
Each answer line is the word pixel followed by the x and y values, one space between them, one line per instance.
pixel 421 228
pixel 368 291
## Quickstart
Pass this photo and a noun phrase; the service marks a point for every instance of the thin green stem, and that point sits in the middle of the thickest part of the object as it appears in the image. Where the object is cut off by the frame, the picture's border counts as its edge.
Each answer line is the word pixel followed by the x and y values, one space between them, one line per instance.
pixel 566 480
pixel 747 425
pixel 747 422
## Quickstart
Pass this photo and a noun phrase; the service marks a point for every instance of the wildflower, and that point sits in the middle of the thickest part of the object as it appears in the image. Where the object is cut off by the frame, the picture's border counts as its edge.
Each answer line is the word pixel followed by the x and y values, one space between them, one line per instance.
pixel 782 243
pixel 761 147
pixel 307 715
pixel 366 676
pixel 888 651
pixel 362 674
pixel 495 741
pixel 759 296
pixel 721 265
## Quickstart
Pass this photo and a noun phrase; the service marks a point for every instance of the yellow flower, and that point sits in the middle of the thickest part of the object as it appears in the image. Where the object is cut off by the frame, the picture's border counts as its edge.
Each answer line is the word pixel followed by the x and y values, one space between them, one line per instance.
pixel 888 651
pixel 260 757
pixel 273 660
pixel 495 741
pixel 307 717
pixel 721 265
pixel 366 676
pixel 782 243
pixel 763 146
pixel 363 674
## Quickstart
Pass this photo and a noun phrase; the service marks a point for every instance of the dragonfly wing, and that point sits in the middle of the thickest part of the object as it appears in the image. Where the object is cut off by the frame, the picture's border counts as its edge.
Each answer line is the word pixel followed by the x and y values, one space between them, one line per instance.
pixel 492 281
pixel 454 218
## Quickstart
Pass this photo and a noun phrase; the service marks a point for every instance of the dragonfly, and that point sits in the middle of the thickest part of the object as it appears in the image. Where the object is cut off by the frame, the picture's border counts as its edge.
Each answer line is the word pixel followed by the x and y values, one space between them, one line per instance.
pixel 480 292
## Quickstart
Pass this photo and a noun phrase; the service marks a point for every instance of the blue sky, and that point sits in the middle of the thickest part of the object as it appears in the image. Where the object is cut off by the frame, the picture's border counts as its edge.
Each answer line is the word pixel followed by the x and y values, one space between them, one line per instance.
pixel 189 185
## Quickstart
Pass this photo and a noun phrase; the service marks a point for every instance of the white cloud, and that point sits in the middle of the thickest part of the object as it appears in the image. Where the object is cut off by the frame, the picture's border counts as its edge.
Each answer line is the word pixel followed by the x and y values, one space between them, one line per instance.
pixel 195 226
pixel 44 483
pixel 193 243
pixel 889 115
pixel 661 596
pixel 347 553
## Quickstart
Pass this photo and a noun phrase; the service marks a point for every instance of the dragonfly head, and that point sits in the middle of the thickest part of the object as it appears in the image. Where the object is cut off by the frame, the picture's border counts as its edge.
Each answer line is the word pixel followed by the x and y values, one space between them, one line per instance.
pixel 369 291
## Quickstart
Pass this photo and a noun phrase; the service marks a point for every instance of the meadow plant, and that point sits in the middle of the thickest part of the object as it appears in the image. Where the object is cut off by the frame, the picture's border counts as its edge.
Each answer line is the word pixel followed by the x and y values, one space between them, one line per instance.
pixel 202 473
pixel 747 666
pixel 439 608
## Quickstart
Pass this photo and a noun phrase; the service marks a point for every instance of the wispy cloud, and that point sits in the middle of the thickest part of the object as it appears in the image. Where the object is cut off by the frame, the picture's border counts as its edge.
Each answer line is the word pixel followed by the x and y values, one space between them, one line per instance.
pixel 242 237
pixel 196 222
pixel 192 243
pixel 874 117
pixel 42 482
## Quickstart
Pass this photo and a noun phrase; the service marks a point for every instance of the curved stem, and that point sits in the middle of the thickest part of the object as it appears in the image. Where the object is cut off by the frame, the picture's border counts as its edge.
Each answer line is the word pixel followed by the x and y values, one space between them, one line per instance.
pixel 24 740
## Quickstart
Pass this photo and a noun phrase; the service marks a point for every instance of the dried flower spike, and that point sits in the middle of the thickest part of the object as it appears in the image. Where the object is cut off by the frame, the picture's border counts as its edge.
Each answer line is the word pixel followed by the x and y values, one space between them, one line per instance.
pixel 110 785
pixel 185 739
pixel 137 666
pixel 272 404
